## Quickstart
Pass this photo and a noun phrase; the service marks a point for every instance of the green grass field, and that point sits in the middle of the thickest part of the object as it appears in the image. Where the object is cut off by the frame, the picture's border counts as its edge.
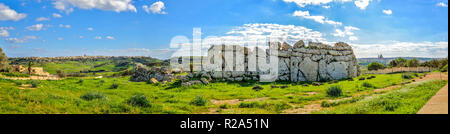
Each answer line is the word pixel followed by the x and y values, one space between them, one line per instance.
pixel 407 100
pixel 118 95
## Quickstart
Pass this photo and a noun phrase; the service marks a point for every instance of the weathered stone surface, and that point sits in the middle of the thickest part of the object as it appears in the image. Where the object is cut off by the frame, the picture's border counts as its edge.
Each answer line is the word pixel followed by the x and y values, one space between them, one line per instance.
pixel 338 70
pixel 309 69
pixel 316 62
pixel 299 44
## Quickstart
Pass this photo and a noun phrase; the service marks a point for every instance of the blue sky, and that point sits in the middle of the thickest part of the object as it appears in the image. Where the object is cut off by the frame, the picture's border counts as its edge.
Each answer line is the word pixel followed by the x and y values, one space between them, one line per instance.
pixel 145 27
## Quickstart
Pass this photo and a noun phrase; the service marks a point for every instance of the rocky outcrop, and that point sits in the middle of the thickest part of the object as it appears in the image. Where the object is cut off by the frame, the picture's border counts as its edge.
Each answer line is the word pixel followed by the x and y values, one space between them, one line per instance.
pixel 315 62
pixel 143 74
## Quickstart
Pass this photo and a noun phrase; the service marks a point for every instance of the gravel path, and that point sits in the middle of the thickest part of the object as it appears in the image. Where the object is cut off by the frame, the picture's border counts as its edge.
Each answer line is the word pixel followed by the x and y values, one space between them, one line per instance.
pixel 438 104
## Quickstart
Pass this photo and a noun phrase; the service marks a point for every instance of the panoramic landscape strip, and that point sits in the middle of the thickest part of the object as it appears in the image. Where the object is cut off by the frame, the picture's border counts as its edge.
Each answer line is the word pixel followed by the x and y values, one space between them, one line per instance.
pixel 224 57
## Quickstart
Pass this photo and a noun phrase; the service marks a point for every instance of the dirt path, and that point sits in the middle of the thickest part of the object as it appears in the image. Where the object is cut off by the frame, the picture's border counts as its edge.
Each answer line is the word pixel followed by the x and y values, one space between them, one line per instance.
pixel 438 104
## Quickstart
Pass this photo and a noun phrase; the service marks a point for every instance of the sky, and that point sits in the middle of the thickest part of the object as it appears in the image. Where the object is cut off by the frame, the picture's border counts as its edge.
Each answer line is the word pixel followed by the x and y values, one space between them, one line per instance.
pixel 47 28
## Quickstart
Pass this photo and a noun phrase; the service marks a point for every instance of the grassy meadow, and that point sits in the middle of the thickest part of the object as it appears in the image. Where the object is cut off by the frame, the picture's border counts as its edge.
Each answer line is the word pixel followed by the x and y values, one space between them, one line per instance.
pixel 111 95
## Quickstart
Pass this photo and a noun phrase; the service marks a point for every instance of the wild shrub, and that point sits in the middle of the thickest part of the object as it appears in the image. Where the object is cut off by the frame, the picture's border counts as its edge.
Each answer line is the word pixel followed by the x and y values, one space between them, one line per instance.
pixel 375 66
pixel 114 86
pixel 80 81
pixel 198 101
pixel 328 104
pixel 15 74
pixel 139 100
pixel 334 91
pixel 35 84
pixel 60 74
pixel 367 84
pixel 249 105
pixel 407 76
pixel 224 106
pixel 18 83
pixel 92 96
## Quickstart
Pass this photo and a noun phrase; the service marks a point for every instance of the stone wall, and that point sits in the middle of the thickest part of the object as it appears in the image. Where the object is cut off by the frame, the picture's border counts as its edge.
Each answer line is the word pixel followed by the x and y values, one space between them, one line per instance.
pixel 315 62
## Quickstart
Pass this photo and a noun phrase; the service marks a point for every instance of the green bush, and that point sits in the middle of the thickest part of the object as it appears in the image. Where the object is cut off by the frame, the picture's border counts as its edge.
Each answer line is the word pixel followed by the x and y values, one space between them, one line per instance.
pixel 249 105
pixel 407 76
pixel 367 84
pixel 92 96
pixel 199 101
pixel 444 68
pixel 334 91
pixel 375 66
pixel 18 83
pixel 60 74
pixel 139 100
pixel 35 84
pixel 328 104
pixel 15 74
pixel 114 86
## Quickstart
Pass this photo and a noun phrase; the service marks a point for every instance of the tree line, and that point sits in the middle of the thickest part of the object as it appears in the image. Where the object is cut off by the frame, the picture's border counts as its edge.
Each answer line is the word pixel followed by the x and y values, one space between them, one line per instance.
pixel 442 64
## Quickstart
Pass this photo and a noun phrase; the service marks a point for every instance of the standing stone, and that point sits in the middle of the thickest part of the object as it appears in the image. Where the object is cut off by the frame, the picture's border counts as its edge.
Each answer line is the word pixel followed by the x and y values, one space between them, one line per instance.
pixel 309 69
pixel 337 70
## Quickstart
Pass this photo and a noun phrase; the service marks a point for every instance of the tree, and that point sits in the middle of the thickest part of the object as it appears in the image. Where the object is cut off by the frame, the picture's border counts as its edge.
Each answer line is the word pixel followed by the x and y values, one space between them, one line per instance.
pixel 4 66
pixel 375 66
pixel 30 64
pixel 413 63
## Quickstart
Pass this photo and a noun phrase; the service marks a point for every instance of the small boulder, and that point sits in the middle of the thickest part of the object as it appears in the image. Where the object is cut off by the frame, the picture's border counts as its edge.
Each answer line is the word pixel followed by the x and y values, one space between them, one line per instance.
pixel 153 81
pixel 316 84
pixel 273 86
pixel 299 44
pixel 362 78
pixel 204 81
pixel 257 88
pixel 283 87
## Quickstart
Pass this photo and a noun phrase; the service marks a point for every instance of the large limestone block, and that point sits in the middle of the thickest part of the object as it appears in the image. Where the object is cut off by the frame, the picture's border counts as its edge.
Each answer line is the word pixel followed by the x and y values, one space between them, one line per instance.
pixel 323 73
pixel 338 70
pixel 295 62
pixel 309 69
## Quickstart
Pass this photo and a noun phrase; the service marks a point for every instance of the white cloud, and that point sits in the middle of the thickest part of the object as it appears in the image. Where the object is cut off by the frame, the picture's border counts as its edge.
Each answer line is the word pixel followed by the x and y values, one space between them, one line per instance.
pixel 21 40
pixel 109 38
pixel 156 8
pixel 37 27
pixel 352 38
pixel 98 37
pixel 9 14
pixel 60 38
pixel 442 4
pixel 402 49
pixel 42 19
pixel 106 5
pixel 55 15
pixel 90 29
pixel 65 26
pixel 320 19
pixel 4 31
pixel 348 31
pixel 388 12
pixel 362 4
pixel 326 7
pixel 303 3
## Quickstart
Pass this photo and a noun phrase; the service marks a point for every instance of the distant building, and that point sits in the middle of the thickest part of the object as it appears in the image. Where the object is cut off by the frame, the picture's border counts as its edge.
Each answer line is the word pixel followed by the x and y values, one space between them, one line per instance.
pixel 380 57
